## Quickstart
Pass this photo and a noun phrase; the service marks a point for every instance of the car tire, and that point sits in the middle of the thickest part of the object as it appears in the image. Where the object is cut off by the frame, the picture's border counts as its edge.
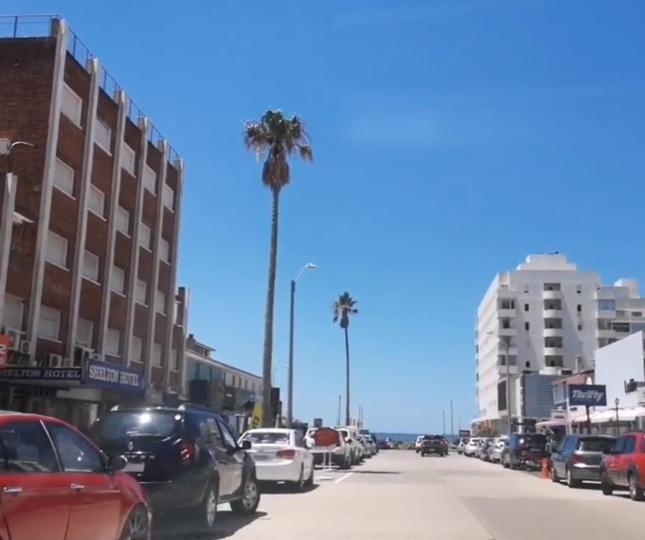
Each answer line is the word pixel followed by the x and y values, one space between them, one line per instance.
pixel 309 483
pixel 207 509
pixel 605 485
pixel 635 491
pixel 137 526
pixel 248 503
pixel 299 485
pixel 505 462
pixel 571 481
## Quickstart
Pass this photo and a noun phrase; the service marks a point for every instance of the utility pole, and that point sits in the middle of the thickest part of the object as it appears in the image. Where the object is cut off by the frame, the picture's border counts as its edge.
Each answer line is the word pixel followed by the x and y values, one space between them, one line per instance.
pixel 339 401
pixel 290 387
pixel 452 423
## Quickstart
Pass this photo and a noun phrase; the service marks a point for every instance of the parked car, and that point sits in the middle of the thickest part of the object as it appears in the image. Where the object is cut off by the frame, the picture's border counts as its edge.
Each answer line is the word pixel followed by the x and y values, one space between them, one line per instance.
pixel 376 444
pixel 434 444
pixel 524 450
pixel 497 448
pixel 341 453
pixel 52 476
pixel 350 435
pixel 418 442
pixel 185 457
pixel 578 458
pixel 624 466
pixel 461 445
pixel 280 455
pixel 368 444
pixel 472 446
pixel 484 446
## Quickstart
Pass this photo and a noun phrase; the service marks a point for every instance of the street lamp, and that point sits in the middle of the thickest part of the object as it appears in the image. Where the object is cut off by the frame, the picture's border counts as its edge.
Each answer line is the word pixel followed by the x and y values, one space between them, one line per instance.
pixel 308 266
pixel 617 402
pixel 506 346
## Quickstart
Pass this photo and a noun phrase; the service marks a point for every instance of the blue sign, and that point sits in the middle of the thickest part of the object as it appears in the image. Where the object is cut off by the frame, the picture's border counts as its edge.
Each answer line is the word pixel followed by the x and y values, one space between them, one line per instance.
pixel 113 377
pixel 22 374
pixel 589 395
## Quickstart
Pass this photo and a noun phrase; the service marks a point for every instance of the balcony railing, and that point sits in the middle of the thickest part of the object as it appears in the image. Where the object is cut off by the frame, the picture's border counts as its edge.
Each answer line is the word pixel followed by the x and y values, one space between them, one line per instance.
pixel 26 26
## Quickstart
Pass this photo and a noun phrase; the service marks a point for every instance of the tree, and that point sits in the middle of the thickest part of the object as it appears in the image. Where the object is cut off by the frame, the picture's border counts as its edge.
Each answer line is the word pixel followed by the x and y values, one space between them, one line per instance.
pixel 343 309
pixel 275 137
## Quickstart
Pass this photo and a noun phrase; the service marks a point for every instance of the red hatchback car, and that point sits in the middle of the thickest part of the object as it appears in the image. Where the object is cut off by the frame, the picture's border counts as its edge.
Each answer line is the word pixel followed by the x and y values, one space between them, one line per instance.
pixel 55 484
pixel 624 466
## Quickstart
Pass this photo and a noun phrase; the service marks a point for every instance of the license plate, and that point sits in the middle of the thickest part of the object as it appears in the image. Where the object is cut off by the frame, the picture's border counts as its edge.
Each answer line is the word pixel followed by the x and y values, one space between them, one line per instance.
pixel 260 457
pixel 134 467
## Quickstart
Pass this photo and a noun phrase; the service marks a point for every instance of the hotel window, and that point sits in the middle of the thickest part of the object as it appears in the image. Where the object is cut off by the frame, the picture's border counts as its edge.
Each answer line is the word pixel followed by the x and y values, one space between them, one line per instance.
pixel 137 349
pixel 96 201
pixel 72 105
pixel 103 135
pixel 56 249
pixel 84 331
pixel 160 302
pixel 164 250
pixel 117 280
pixel 64 177
pixel 90 266
pixel 123 220
pixel 128 159
pixel 113 342
pixel 168 197
pixel 49 324
pixel 144 236
pixel 13 312
pixel 149 179
pixel 156 354
pixel 141 291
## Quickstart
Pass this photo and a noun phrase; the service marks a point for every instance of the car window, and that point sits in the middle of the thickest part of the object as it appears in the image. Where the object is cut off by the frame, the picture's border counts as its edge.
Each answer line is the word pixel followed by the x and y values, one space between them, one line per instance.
pixel 25 448
pixel 229 440
pixel 630 445
pixel 202 425
pixel 267 437
pixel 118 425
pixel 570 445
pixel 618 446
pixel 595 445
pixel 76 453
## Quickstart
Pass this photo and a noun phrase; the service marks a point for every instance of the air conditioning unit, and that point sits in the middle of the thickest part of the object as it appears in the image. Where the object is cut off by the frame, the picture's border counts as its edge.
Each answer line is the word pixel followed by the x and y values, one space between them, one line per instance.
pixel 82 355
pixel 16 338
pixel 95 357
pixel 53 360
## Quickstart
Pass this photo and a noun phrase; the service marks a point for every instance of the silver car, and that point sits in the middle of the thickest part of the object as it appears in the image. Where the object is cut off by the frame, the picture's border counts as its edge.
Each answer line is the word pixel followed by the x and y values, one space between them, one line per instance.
pixel 497 448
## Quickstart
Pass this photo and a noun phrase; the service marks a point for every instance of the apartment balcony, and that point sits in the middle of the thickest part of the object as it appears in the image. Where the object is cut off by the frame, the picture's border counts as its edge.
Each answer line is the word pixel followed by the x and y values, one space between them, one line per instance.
pixel 507 332
pixel 606 313
pixel 605 334
pixel 553 313
pixel 512 370
pixel 551 295
pixel 504 313
pixel 553 351
pixel 553 332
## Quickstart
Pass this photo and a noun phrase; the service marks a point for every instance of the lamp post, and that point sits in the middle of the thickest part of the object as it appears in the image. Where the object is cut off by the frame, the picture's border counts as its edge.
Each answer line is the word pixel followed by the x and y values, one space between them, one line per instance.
pixel 8 209
pixel 617 402
pixel 308 266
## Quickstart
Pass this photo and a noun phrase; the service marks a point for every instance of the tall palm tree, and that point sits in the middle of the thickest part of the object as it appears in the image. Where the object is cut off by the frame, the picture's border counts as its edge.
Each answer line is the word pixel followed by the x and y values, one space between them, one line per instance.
pixel 343 308
pixel 274 137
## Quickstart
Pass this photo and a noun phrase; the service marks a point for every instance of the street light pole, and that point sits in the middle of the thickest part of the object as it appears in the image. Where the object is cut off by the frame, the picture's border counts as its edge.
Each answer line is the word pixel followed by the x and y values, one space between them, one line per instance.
pixel 617 402
pixel 308 266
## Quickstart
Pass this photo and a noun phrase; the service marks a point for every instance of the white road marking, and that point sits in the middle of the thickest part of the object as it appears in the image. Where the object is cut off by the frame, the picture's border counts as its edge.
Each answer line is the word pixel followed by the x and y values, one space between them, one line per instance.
pixel 344 477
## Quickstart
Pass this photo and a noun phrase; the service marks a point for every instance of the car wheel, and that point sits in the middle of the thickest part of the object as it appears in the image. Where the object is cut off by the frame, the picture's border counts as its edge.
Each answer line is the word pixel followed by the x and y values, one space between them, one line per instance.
pixel 299 485
pixel 137 526
pixel 571 481
pixel 554 475
pixel 635 491
pixel 310 481
pixel 250 500
pixel 207 510
pixel 505 462
pixel 607 488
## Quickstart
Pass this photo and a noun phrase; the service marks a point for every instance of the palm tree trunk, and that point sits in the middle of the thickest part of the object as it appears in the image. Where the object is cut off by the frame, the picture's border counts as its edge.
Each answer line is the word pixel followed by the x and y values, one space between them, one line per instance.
pixel 347 415
pixel 267 367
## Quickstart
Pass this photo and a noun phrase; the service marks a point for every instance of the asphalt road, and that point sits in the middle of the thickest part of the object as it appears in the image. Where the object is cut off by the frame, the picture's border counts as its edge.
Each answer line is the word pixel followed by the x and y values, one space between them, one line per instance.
pixel 398 495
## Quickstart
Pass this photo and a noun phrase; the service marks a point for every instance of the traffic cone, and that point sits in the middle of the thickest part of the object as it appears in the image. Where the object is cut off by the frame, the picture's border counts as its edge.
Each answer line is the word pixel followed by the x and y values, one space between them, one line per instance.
pixel 546 468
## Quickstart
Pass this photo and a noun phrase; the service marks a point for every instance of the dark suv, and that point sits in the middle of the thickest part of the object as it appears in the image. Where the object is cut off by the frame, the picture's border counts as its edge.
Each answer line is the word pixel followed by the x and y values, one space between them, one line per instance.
pixel 578 458
pixel 185 457
pixel 433 444
pixel 524 450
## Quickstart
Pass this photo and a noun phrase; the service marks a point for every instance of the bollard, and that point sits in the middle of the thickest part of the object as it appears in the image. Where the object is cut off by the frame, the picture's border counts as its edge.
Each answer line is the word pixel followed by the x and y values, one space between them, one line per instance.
pixel 546 468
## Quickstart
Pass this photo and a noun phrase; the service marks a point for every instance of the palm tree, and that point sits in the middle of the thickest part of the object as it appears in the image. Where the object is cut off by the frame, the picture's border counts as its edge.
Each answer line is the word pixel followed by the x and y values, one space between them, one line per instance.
pixel 276 137
pixel 343 308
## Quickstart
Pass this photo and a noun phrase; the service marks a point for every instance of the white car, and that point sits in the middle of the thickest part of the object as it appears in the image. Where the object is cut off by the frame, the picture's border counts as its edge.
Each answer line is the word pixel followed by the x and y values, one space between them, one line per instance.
pixel 473 445
pixel 368 444
pixel 417 444
pixel 350 435
pixel 341 454
pixel 280 455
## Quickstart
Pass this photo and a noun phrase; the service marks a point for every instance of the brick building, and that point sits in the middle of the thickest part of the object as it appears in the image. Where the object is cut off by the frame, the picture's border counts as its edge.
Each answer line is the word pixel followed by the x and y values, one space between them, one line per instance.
pixel 90 300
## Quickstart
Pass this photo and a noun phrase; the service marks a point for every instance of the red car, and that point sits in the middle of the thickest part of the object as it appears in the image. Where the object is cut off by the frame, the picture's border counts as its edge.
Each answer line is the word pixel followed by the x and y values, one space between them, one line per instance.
pixel 624 466
pixel 55 484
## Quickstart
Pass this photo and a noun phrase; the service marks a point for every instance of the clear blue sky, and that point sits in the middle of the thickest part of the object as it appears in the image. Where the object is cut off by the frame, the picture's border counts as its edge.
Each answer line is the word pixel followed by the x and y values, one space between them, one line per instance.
pixel 451 138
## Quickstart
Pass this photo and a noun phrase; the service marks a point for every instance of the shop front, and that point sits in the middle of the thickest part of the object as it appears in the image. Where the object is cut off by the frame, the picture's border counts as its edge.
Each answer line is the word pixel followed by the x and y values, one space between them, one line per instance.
pixel 75 394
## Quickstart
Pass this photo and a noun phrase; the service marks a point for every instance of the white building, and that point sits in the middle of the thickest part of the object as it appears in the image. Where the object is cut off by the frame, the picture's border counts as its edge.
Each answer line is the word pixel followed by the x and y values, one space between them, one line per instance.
pixel 545 317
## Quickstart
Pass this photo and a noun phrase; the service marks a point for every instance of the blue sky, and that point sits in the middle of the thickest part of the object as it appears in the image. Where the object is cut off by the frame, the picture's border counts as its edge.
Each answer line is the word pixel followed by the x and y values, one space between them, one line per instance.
pixel 451 139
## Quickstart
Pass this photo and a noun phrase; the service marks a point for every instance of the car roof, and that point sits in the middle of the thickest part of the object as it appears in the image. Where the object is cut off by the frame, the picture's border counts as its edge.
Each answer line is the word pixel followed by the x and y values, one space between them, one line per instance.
pixel 270 430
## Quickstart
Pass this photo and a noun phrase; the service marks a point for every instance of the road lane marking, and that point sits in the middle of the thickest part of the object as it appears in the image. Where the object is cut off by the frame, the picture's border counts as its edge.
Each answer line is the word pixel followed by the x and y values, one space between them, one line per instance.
pixel 344 477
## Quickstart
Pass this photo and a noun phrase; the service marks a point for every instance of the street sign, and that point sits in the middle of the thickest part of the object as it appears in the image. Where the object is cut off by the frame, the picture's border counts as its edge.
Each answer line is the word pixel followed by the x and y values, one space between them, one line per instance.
pixel 589 395
pixel 318 422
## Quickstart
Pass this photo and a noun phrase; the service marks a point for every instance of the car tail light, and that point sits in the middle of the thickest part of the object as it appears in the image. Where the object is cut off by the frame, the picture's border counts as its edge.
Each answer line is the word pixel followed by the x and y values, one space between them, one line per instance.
pixel 576 458
pixel 287 454
pixel 187 452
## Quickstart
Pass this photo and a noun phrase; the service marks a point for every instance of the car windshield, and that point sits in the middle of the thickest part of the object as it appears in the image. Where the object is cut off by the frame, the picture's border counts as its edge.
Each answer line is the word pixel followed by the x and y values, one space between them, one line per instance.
pixel 595 445
pixel 127 424
pixel 267 437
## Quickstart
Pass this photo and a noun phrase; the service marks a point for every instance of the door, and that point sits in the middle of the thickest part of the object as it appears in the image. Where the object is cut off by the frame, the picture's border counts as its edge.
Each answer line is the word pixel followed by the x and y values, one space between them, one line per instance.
pixel 568 450
pixel 35 498
pixel 235 462
pixel 612 460
pixel 96 499
pixel 625 459
pixel 557 457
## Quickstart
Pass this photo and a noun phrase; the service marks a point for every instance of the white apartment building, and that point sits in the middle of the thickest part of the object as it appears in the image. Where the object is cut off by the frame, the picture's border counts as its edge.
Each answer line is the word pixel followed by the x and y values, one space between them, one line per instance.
pixel 545 317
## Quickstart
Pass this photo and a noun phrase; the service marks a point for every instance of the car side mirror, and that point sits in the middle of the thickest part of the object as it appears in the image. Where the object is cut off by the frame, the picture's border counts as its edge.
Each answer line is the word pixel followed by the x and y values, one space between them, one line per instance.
pixel 246 445
pixel 116 463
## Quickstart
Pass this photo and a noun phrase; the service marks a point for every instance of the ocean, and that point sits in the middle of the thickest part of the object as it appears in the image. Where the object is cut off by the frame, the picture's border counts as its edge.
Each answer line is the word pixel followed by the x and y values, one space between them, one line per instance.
pixel 398 437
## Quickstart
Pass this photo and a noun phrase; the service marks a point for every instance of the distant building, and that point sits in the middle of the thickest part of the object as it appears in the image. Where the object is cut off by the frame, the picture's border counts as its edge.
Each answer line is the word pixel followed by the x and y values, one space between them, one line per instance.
pixel 92 273
pixel 547 318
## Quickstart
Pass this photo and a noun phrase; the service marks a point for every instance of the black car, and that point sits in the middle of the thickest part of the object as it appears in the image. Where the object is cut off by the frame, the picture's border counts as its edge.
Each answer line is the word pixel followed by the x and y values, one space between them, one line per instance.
pixel 433 444
pixel 578 458
pixel 185 457
pixel 524 450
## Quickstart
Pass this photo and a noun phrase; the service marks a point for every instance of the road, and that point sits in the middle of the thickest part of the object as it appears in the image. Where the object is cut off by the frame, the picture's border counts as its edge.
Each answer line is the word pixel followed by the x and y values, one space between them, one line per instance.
pixel 398 495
